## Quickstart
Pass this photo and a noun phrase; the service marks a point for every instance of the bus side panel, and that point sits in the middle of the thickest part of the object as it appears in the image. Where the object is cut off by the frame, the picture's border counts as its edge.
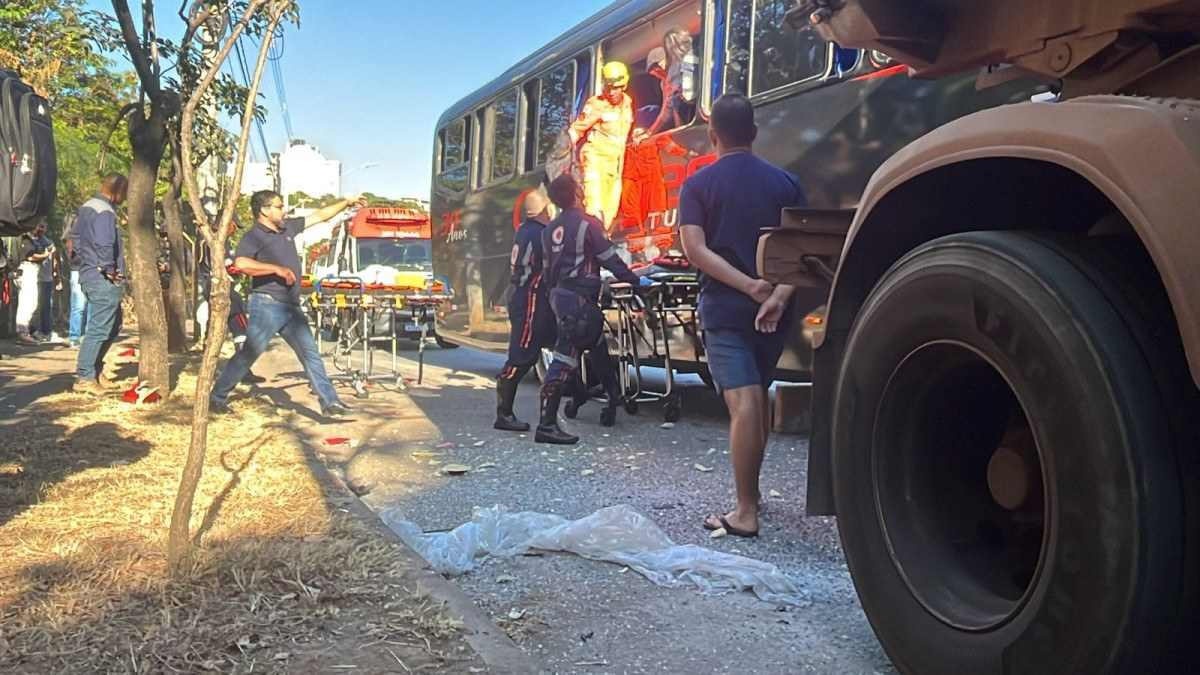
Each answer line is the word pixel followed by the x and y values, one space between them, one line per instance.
pixel 472 249
pixel 833 137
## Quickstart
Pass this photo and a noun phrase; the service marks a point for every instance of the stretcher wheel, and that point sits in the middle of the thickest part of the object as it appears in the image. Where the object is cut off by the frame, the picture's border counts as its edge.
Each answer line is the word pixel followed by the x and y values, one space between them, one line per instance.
pixel 672 411
pixel 631 406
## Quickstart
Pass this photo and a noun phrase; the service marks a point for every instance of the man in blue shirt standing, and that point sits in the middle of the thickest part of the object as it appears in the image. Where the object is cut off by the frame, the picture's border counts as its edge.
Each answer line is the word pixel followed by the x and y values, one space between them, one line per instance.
pixel 267 253
pixel 100 256
pixel 745 319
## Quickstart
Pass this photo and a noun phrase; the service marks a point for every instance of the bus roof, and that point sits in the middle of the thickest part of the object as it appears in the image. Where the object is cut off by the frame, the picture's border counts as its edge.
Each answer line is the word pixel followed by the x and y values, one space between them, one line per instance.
pixel 579 37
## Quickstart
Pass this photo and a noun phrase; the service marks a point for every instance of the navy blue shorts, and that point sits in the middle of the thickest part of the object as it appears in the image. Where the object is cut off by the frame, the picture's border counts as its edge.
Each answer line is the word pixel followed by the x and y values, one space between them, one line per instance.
pixel 739 359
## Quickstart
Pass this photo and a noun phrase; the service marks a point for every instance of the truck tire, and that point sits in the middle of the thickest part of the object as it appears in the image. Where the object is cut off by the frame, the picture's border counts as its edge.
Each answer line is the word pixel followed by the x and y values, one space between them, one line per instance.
pixel 1005 473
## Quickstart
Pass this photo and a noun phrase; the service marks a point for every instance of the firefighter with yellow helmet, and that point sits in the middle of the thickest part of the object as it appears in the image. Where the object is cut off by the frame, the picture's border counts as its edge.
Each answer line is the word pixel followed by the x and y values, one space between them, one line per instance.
pixel 603 129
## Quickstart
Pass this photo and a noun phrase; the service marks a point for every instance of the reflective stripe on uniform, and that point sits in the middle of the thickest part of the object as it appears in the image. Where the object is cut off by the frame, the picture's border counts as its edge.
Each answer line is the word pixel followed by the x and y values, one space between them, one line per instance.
pixel 559 356
pixel 580 239
pixel 526 268
pixel 612 250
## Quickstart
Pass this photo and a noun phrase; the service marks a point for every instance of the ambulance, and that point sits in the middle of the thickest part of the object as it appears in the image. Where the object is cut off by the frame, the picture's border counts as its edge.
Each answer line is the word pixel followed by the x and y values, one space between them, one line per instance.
pixel 386 250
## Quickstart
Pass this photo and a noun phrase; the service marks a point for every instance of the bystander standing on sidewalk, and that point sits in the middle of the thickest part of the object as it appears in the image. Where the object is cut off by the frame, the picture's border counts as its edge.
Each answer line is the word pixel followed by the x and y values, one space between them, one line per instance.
pixel 36 250
pixel 101 259
pixel 238 319
pixel 744 318
pixel 78 302
pixel 47 275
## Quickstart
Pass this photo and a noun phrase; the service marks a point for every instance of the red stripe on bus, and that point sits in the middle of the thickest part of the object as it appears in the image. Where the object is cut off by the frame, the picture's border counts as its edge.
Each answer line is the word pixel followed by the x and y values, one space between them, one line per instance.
pixel 886 72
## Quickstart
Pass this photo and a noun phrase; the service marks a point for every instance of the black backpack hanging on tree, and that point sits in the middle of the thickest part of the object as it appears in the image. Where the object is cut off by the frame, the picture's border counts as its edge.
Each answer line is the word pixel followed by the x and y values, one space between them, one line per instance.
pixel 28 168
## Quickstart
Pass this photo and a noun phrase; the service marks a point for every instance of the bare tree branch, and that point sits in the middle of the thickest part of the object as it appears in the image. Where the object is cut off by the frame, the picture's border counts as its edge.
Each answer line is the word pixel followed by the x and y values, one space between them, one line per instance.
pixel 189 111
pixel 150 38
pixel 133 44
pixel 178 541
pixel 199 14
pixel 112 129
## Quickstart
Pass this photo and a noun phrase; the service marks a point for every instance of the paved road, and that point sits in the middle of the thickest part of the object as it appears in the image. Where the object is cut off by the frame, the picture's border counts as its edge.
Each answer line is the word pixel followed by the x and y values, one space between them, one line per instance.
pixel 581 616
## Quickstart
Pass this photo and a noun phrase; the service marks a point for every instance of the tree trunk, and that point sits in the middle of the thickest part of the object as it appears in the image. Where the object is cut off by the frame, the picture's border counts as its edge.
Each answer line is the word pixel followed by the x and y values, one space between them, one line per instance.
pixel 148 137
pixel 179 541
pixel 179 544
pixel 181 278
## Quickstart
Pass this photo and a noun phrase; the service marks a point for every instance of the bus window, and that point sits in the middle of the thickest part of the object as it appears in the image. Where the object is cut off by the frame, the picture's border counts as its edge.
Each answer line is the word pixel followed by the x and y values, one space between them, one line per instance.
pixel 554 108
pixel 765 54
pixel 500 138
pixel 664 67
pixel 583 80
pixel 454 155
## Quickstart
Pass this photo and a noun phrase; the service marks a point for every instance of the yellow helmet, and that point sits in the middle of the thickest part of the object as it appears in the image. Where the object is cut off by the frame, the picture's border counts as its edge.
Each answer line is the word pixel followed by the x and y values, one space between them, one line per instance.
pixel 615 74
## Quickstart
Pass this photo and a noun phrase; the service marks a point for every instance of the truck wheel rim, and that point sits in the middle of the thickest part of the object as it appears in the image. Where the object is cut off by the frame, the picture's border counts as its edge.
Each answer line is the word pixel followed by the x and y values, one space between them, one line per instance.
pixel 959 486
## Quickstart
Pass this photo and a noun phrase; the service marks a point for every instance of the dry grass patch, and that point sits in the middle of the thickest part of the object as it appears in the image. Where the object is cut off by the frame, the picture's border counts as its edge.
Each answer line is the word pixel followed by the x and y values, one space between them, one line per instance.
pixel 284 578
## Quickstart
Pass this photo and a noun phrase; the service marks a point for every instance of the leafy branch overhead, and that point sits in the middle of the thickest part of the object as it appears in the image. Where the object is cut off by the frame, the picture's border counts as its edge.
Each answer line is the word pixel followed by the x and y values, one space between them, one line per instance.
pixel 205 21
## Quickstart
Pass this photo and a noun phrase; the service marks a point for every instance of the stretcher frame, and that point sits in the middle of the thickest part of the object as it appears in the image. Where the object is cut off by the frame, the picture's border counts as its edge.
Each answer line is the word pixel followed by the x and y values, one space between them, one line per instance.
pixel 638 327
pixel 355 309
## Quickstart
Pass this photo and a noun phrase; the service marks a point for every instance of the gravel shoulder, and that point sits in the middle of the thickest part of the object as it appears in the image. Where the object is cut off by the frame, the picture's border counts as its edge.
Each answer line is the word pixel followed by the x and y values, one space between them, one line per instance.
pixel 580 616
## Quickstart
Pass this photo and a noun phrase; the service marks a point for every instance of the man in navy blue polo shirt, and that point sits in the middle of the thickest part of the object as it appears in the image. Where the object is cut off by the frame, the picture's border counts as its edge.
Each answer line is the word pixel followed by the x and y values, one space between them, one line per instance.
pixel 745 319
pixel 267 253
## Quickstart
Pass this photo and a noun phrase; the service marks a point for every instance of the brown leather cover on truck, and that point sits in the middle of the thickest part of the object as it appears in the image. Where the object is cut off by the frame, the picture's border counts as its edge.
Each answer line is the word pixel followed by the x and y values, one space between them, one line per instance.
pixel 936 37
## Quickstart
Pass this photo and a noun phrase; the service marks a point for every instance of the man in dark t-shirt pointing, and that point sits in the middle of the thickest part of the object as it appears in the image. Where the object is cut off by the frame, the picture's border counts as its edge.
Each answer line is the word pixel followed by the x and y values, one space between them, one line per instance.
pixel 267 253
pixel 744 318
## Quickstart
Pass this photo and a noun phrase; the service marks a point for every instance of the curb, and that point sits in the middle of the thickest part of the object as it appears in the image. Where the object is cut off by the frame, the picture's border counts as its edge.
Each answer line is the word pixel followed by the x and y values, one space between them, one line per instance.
pixel 496 649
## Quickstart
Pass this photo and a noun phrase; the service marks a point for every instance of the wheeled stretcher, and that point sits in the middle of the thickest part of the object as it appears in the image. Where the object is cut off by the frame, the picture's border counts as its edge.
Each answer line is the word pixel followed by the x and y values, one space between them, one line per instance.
pixel 639 323
pixel 357 317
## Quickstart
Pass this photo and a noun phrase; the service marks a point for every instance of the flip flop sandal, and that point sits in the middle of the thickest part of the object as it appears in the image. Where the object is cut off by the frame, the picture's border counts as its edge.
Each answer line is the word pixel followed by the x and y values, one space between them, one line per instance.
pixel 729 529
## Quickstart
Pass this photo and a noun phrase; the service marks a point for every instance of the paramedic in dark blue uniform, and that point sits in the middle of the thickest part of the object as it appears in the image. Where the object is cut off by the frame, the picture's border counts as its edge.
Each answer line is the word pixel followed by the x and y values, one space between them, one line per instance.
pixel 529 311
pixel 575 249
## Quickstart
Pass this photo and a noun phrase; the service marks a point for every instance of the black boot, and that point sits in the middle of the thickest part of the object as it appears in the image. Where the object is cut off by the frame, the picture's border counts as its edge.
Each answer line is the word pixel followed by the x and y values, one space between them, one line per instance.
pixel 506 391
pixel 579 396
pixel 548 430
pixel 612 393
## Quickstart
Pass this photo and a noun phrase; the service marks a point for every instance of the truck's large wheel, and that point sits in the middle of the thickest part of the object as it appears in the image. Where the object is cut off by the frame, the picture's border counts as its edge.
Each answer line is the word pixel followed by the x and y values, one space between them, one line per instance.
pixel 1004 469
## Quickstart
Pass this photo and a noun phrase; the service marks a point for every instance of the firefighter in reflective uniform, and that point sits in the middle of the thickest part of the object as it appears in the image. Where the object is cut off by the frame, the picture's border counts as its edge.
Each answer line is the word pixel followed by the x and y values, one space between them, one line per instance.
pixel 575 250
pixel 603 128
pixel 529 311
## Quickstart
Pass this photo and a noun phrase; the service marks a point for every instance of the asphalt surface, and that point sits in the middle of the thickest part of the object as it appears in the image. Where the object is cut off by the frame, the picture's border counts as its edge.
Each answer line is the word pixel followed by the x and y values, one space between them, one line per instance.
pixel 579 616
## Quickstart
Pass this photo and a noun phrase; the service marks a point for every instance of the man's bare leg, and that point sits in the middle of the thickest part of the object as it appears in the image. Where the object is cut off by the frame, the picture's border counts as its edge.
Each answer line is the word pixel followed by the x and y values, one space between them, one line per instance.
pixel 747 442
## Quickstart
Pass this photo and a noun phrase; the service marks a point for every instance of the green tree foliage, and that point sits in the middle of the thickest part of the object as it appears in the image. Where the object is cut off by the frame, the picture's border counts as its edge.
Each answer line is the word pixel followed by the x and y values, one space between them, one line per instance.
pixel 50 44
pixel 403 202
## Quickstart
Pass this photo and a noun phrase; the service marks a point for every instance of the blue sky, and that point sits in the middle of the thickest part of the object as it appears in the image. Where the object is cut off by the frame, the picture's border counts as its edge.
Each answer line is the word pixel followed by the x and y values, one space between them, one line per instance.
pixel 367 79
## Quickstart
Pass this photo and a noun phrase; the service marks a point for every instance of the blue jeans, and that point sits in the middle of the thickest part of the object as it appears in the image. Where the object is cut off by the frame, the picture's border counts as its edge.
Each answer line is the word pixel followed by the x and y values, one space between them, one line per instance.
pixel 104 304
pixel 268 318
pixel 78 308
pixel 45 321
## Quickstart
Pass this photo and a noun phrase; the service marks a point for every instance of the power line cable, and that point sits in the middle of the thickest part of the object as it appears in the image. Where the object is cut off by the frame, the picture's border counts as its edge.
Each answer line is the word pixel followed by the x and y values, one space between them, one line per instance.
pixel 281 92
pixel 239 52
pixel 275 56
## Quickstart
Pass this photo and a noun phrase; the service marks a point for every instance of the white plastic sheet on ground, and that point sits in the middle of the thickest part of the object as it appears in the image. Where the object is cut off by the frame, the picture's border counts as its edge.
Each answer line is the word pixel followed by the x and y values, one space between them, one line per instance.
pixel 616 534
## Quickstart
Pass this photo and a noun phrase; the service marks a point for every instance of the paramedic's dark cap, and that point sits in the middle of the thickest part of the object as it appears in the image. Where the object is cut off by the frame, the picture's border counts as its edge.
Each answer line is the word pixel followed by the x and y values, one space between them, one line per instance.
pixel 536 204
